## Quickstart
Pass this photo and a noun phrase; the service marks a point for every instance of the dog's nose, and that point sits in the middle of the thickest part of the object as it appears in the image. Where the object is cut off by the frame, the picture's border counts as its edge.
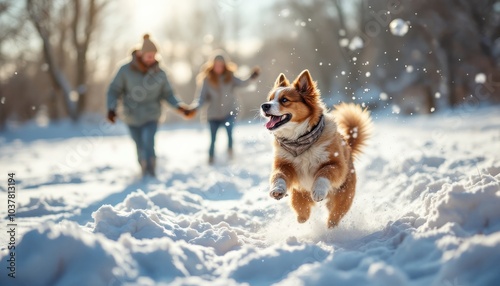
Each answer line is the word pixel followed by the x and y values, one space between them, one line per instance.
pixel 266 107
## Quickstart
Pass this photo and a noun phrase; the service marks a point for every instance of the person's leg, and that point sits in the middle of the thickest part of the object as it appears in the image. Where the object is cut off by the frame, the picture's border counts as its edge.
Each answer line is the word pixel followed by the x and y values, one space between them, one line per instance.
pixel 135 133
pixel 229 124
pixel 214 126
pixel 148 136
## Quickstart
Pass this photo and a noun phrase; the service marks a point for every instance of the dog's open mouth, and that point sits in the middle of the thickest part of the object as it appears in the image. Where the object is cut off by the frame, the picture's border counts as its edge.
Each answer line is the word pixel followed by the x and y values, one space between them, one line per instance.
pixel 277 121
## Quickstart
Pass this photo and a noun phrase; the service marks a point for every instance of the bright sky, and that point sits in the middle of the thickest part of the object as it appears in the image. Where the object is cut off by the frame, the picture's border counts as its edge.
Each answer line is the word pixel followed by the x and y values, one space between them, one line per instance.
pixel 137 17
pixel 147 15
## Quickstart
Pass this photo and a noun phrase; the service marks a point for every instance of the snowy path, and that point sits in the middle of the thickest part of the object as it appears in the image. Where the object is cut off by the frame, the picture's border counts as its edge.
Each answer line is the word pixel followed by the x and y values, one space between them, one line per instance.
pixel 427 210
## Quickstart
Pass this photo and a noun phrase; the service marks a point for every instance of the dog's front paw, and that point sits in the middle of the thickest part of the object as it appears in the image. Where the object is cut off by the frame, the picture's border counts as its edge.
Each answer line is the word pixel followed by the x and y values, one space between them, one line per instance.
pixel 278 189
pixel 320 189
pixel 277 193
pixel 319 195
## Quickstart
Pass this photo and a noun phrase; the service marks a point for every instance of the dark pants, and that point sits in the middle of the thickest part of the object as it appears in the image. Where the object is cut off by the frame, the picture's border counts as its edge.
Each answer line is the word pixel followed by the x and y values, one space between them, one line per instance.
pixel 228 122
pixel 144 138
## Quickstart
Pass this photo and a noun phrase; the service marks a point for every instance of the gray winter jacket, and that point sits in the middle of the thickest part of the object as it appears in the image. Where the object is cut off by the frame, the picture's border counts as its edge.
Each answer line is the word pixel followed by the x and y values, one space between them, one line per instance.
pixel 141 90
pixel 221 100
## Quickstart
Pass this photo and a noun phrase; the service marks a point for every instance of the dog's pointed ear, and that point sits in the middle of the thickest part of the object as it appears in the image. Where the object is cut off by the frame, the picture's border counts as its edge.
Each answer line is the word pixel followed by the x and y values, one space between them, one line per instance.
pixel 304 83
pixel 281 81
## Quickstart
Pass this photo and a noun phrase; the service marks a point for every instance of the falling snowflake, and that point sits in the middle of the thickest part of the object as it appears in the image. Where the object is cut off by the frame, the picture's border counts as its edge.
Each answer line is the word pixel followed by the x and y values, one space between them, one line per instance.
pixel 356 43
pixel 399 27
pixel 344 42
pixel 383 96
pixel 396 109
pixel 480 78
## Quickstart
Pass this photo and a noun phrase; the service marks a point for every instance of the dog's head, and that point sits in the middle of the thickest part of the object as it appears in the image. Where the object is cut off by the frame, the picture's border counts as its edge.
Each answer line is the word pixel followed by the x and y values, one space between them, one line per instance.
pixel 293 109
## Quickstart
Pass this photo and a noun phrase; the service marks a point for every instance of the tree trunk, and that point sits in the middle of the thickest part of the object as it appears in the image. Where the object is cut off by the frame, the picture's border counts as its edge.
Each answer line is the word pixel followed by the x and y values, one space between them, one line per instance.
pixel 3 112
pixel 447 44
pixel 81 46
pixel 83 22
pixel 59 80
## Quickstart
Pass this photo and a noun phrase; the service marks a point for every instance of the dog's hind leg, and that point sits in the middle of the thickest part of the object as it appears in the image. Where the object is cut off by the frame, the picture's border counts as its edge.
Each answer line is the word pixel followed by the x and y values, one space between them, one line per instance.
pixel 301 203
pixel 339 201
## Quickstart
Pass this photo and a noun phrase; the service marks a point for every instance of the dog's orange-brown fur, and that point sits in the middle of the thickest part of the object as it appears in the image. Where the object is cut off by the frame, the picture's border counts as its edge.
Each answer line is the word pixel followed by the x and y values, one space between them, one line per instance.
pixel 325 170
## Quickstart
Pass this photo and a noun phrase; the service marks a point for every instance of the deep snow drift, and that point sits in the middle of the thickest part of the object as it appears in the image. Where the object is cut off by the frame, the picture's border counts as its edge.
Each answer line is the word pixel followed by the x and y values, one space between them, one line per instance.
pixel 427 209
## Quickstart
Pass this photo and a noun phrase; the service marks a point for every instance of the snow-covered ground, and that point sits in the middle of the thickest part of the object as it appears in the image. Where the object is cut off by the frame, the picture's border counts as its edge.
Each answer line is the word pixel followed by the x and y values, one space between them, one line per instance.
pixel 427 209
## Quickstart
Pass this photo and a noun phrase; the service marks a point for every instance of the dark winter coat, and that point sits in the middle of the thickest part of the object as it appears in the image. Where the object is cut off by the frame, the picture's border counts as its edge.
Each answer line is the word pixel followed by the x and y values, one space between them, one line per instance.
pixel 141 90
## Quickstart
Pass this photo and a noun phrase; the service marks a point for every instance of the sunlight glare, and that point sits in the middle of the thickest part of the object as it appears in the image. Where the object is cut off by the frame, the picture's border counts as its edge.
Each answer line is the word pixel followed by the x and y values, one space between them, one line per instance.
pixel 148 16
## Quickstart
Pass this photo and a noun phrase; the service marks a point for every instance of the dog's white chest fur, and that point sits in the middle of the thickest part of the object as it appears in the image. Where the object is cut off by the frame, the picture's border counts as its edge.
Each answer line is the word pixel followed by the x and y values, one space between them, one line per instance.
pixel 307 163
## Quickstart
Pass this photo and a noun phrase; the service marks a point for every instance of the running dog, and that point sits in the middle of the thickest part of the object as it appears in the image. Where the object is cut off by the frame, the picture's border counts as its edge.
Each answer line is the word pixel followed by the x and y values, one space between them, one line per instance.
pixel 314 149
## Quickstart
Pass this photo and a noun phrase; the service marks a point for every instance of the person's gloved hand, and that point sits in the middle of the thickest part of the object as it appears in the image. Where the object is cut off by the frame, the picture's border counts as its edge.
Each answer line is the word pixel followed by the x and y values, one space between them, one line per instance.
pixel 190 113
pixel 186 110
pixel 112 116
pixel 255 73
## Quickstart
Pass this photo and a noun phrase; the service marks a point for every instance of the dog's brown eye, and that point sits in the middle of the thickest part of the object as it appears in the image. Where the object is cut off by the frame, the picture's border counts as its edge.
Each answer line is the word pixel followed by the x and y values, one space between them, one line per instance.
pixel 283 100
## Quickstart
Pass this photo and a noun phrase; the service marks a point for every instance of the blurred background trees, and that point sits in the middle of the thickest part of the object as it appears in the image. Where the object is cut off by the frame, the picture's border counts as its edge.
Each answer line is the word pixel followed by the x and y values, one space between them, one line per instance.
pixel 57 56
pixel 71 25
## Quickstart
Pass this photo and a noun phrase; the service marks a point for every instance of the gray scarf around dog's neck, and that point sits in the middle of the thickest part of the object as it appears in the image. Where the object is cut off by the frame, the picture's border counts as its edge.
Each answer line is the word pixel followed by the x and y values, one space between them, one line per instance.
pixel 304 142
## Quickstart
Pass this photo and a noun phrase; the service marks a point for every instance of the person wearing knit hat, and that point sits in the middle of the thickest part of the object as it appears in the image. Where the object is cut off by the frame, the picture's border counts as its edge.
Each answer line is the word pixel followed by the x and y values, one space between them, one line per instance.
pixel 217 91
pixel 141 85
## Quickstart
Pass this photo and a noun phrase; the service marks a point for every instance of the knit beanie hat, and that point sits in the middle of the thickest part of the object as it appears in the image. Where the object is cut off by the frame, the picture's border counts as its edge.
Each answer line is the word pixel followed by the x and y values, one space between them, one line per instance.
pixel 148 45
pixel 219 58
pixel 220 55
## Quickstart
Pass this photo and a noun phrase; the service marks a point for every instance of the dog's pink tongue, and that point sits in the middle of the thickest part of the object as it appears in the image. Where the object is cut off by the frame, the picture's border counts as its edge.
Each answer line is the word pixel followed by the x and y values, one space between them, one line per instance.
pixel 274 119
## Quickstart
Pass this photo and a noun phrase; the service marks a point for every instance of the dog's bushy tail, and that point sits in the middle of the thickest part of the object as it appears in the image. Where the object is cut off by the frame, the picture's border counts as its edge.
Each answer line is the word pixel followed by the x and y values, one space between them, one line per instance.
pixel 354 124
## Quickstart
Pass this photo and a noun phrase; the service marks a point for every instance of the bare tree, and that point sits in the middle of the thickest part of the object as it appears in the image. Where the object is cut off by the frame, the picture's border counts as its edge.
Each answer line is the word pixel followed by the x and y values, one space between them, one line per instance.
pixel 463 34
pixel 83 24
pixel 12 24
pixel 40 13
